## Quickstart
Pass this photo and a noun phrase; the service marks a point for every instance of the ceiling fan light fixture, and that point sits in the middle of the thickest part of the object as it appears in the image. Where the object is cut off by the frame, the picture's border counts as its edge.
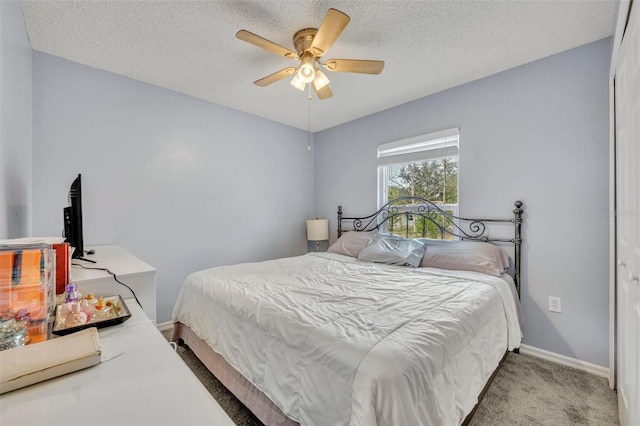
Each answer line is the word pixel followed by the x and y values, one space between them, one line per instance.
pixel 320 81
pixel 307 70
pixel 297 83
pixel 311 44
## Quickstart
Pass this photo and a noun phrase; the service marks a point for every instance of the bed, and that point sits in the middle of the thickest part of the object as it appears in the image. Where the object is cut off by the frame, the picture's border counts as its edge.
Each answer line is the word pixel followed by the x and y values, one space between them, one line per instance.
pixel 379 330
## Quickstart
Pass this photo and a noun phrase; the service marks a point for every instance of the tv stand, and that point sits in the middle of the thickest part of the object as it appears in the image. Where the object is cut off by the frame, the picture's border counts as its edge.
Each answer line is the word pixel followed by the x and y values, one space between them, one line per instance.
pixel 85 259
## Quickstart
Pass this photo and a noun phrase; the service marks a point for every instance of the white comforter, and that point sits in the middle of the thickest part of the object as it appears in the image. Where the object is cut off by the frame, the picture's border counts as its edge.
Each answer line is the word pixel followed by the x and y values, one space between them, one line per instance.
pixel 332 340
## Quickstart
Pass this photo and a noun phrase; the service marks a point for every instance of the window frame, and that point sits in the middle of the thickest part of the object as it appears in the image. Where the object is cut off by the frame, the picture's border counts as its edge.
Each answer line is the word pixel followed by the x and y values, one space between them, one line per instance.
pixel 418 149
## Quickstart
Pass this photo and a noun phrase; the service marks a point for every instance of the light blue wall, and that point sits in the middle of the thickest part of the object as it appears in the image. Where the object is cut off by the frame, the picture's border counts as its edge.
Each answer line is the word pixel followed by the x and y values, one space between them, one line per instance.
pixel 538 133
pixel 15 122
pixel 182 183
pixel 163 170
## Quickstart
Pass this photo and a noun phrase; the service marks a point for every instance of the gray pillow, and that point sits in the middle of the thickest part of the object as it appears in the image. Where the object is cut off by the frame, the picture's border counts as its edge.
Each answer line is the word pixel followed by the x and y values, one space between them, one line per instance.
pixel 394 251
pixel 466 256
pixel 350 243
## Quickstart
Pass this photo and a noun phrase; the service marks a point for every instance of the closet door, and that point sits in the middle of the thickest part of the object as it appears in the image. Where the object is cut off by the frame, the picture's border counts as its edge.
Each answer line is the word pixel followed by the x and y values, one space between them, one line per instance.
pixel 627 122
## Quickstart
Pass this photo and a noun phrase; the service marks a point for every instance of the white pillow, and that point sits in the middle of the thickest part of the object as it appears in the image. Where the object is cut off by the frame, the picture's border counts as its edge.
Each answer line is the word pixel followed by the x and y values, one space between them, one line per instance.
pixel 474 256
pixel 350 243
pixel 394 251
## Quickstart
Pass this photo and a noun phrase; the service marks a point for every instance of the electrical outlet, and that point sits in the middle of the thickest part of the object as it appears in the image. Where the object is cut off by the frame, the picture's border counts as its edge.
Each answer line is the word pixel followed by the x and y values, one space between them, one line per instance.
pixel 555 305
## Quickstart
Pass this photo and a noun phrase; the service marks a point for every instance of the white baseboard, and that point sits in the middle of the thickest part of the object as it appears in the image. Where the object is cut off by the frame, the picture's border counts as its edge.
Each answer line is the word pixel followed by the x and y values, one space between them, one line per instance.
pixel 163 326
pixel 565 360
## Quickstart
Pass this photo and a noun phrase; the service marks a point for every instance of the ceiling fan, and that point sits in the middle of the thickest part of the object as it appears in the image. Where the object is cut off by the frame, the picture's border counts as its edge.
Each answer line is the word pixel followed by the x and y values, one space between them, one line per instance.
pixel 311 44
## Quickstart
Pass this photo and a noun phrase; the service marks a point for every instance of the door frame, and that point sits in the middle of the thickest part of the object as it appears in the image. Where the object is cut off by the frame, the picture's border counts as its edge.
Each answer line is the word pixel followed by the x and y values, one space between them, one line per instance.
pixel 624 7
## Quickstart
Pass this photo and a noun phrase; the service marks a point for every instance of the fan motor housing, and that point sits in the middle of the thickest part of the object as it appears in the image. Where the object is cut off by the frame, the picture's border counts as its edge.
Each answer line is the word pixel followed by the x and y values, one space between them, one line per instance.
pixel 302 39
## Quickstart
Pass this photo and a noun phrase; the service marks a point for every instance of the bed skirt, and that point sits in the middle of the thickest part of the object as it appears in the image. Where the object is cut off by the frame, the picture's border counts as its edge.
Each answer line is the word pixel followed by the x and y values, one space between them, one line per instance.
pixel 254 399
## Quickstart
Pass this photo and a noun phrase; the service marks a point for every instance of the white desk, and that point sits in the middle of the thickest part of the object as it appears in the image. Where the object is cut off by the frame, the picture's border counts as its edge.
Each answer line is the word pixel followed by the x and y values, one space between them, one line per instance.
pixel 129 269
pixel 144 383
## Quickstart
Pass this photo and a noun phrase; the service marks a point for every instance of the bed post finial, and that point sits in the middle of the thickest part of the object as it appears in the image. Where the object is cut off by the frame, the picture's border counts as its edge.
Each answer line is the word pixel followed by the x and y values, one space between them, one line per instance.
pixel 339 221
pixel 517 220
pixel 518 208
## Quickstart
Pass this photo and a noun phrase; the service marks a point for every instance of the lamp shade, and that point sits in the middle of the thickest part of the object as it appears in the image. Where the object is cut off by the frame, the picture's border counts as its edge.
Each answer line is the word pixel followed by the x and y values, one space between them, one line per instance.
pixel 320 81
pixel 317 229
pixel 307 70
pixel 297 83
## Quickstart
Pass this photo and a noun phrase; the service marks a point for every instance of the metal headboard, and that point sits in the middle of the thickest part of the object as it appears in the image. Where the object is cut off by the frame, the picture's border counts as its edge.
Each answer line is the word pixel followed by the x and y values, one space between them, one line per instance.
pixel 454 226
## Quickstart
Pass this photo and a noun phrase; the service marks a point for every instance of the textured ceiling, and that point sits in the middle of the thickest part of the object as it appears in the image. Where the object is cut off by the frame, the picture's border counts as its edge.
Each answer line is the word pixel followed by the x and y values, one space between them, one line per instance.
pixel 427 46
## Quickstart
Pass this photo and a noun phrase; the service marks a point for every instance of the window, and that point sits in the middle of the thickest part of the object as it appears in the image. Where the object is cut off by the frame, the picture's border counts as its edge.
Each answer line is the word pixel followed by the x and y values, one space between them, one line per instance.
pixel 424 166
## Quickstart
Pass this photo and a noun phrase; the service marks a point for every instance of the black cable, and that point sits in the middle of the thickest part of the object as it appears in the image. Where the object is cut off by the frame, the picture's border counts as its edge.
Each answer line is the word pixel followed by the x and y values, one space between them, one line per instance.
pixel 114 277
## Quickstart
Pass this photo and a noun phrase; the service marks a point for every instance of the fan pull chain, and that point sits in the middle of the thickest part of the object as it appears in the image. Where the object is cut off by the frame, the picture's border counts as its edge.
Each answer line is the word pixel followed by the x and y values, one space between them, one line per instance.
pixel 309 120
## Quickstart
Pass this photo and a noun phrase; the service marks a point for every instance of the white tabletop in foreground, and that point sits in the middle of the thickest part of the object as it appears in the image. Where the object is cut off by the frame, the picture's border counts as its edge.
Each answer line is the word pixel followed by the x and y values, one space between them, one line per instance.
pixel 141 381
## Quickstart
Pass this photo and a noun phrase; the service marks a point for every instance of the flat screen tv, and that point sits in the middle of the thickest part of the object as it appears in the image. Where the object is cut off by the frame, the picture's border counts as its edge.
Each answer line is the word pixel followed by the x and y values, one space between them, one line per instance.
pixel 73 220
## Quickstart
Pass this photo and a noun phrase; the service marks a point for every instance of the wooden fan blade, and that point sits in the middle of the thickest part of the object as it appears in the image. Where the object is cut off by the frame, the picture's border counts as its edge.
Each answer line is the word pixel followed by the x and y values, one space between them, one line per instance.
pixel 262 42
pixel 332 26
pixel 324 93
pixel 354 65
pixel 276 76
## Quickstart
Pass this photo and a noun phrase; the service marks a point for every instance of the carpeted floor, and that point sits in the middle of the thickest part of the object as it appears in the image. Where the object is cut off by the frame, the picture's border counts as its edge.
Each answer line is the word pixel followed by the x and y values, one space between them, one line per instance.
pixel 526 391
pixel 531 391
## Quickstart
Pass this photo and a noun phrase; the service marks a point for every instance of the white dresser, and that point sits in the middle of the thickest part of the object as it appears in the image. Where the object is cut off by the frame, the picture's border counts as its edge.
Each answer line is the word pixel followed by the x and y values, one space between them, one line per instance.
pixel 141 381
pixel 132 271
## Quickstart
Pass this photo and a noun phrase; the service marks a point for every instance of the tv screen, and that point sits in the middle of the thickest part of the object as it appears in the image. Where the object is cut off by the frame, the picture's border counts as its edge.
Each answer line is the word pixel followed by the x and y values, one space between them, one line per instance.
pixel 73 219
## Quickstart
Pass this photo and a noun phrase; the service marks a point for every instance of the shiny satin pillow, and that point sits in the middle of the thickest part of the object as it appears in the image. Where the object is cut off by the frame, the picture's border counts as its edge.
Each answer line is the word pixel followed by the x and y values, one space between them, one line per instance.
pixel 393 251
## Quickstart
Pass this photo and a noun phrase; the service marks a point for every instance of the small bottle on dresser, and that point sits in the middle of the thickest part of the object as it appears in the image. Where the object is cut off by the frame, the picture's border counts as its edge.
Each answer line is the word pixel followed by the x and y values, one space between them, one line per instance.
pixel 71 293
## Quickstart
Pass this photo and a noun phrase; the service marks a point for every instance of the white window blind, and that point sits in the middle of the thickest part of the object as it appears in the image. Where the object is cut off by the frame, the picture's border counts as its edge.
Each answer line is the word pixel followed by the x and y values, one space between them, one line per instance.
pixel 442 144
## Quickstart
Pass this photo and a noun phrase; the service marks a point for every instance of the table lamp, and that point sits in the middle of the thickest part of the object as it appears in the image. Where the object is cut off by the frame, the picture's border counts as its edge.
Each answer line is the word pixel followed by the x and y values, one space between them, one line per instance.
pixel 317 230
